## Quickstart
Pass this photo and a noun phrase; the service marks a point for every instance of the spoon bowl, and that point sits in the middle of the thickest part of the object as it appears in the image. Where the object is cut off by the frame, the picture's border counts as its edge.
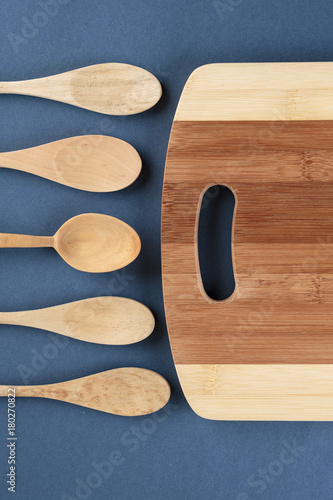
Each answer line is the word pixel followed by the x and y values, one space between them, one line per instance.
pixel 97 243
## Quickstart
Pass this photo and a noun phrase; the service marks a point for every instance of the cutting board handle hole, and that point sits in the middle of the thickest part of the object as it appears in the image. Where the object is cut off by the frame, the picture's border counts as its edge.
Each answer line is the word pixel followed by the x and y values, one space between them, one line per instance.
pixel 214 242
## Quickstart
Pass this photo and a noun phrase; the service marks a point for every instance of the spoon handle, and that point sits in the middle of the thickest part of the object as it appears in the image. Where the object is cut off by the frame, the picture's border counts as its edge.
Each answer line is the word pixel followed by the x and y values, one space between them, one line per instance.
pixel 20 390
pixel 27 87
pixel 12 318
pixel 9 240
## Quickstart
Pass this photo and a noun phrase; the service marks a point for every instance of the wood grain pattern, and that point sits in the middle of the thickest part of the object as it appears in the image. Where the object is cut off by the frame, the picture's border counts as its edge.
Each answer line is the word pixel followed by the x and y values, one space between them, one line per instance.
pixel 90 162
pixel 280 170
pixel 122 391
pixel 102 320
pixel 93 243
pixel 110 88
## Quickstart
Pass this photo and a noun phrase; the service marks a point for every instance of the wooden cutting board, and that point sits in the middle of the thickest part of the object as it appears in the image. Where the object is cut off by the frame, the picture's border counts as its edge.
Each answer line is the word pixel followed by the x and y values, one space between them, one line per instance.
pixel 266 132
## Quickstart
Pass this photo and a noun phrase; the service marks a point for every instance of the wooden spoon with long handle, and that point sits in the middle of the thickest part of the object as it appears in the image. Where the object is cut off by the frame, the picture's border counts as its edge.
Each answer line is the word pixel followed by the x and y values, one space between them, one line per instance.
pixel 89 162
pixel 94 243
pixel 110 88
pixel 122 391
pixel 102 320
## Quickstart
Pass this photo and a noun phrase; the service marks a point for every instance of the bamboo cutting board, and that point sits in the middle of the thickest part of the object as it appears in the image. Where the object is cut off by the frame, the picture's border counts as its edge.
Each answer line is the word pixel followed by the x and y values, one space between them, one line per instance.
pixel 266 132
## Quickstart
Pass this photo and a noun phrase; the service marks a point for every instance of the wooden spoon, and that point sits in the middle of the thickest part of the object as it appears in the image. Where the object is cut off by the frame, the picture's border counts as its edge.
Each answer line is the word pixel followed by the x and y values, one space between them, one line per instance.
pixel 122 391
pixel 90 162
pixel 111 88
pixel 93 243
pixel 102 320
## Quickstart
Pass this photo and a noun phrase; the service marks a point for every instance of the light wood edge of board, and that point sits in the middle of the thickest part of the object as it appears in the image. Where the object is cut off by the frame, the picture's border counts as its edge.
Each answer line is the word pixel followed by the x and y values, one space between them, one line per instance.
pixel 258 91
pixel 286 392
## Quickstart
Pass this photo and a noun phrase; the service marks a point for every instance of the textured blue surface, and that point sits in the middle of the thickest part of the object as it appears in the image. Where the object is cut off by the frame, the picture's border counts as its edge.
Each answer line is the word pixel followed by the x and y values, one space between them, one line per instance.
pixel 63 449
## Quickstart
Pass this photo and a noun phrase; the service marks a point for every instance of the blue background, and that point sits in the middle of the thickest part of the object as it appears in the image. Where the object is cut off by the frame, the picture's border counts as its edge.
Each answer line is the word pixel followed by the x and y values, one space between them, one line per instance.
pixel 174 455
